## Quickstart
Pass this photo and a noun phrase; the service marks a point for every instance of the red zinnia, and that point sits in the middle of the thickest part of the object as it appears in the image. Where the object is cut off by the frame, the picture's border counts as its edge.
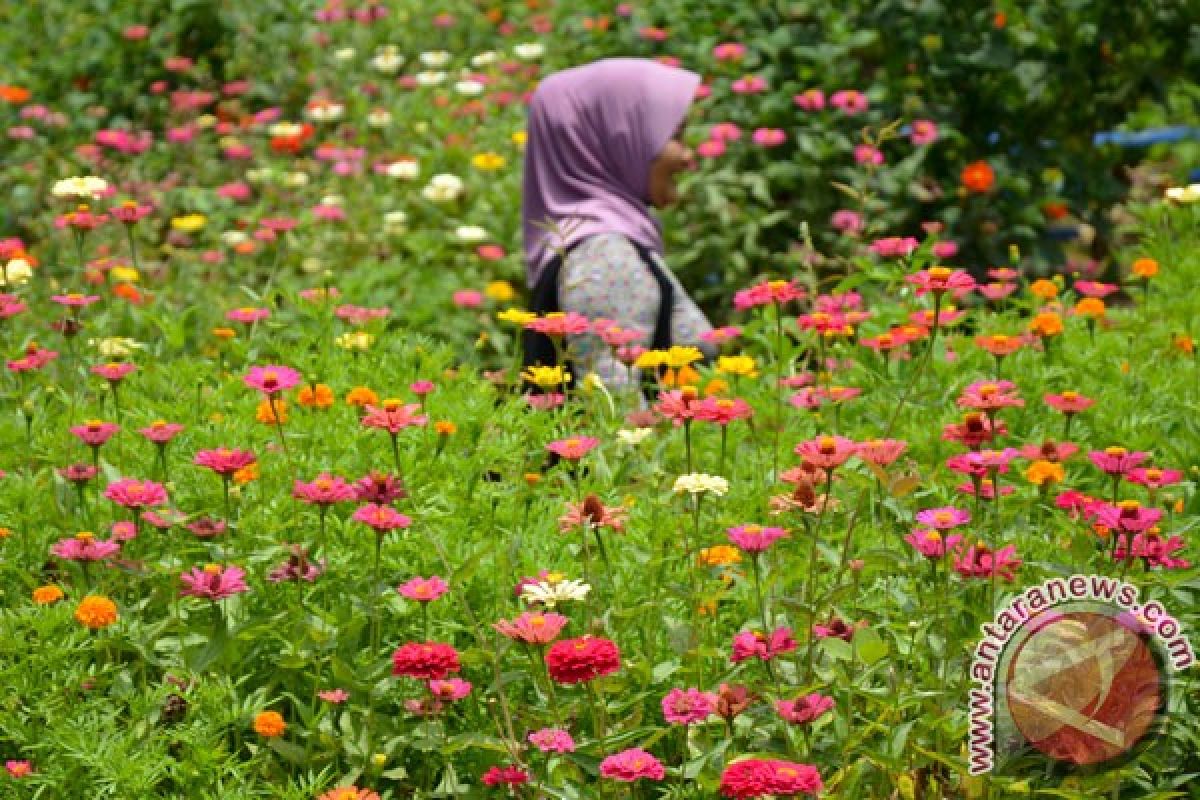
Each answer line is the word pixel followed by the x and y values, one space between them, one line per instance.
pixel 425 660
pixel 578 660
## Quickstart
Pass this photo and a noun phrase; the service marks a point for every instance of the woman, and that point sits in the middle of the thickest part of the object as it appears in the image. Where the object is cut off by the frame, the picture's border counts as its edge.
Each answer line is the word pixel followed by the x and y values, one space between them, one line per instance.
pixel 602 147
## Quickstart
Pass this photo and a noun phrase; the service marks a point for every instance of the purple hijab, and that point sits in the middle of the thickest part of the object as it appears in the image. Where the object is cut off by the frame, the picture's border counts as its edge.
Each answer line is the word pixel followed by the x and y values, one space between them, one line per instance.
pixel 593 132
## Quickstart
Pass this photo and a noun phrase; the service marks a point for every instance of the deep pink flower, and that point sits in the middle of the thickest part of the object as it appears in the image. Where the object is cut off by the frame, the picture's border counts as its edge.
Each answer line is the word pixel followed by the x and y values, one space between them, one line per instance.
pixel 760 778
pixel 721 335
pixel 1095 288
pixel 94 432
pixel 324 490
pixel 334 696
pixel 768 293
pixel 449 689
pixel 944 249
pixel 467 298
pixel 1049 451
pixel 810 100
pixel 297 567
pixel 944 518
pixel 866 154
pixel 711 148
pixel 214 582
pixel 804 710
pixel 224 461
pixel 1153 477
pixel 848 222
pixel 381 518
pixel 560 324
pixel 379 487
pixel 18 769
pixel 425 660
pixel 78 473
pixel 360 315
pixel 592 513
pixel 247 315
pixel 837 628
pixel 272 379
pixel 423 590
pixel 552 740
pixel 924 132
pixel 85 547
pixel 573 448
pixel 729 51
pixel 931 543
pixel 975 430
pixel 1127 516
pixel 769 137
pixel 979 561
pixel 750 84
pixel 505 776
pixel 1153 548
pixel 756 644
pixel 1117 461
pixel 532 627
pixel 724 132
pixel 850 101
pixel 827 452
pixel 996 290
pixel 114 372
pixel 688 706
pixel 131 493
pixel 754 538
pixel 632 765
pixel 572 661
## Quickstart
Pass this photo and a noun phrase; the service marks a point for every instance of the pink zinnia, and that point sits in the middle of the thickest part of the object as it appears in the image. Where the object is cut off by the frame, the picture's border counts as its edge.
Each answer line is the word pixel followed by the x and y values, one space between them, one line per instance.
pixel 755 778
pixel 381 518
pixel 688 706
pixel 425 660
pixel 131 493
pixel 678 405
pixel 894 246
pixel 592 513
pixel 1069 402
pixel 247 315
pixel 980 562
pixel 95 432
pixel 769 137
pixel 810 100
pixel 850 101
pixel 449 689
pixel 754 538
pixel 846 221
pixel 924 132
pixel 768 293
pixel 939 280
pixel 160 431
pixel 931 544
pixel 224 462
pixel 827 452
pixel 1153 477
pixel 114 372
pixel 632 765
pixel 866 154
pixel 943 518
pixel 214 582
pixel 560 324
pixel 324 490
pixel 552 740
pixel 467 298
pixel 1153 548
pixel 724 132
pixel 75 300
pixel 996 290
pixel 574 448
pixel 1117 461
pixel 721 335
pixel 423 590
pixel 803 710
pixel 334 696
pixel 729 51
pixel 751 84
pixel 394 416
pixel 85 547
pixel 722 410
pixel 379 487
pixel 532 627
pixel 881 452
pixel 1127 516
pixel 272 379
pixel 756 644
pixel 505 776
pixel 1095 289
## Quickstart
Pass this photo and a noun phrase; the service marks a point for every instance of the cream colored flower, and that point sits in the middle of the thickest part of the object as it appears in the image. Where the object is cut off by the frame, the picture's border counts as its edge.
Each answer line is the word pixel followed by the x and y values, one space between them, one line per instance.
pixel 16 272
pixel 324 111
pixel 87 187
pixel 435 58
pixel 469 88
pixel 443 188
pixel 286 129
pixel 296 179
pixel 395 222
pixel 344 54
pixel 530 51
pixel 233 238
pixel 387 59
pixel 485 59
pixel 115 346
pixel 551 594
pixel 697 483
pixel 379 118
pixel 405 169
pixel 634 436
pixel 470 234
pixel 430 78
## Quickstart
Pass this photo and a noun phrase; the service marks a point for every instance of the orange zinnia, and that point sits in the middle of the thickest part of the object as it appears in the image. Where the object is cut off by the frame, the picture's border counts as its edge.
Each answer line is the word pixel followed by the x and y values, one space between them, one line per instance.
pixel 1046 290
pixel 96 612
pixel 1046 324
pixel 361 396
pixel 978 176
pixel 1145 268
pixel 319 396
pixel 1090 307
pixel 13 94
pixel 269 724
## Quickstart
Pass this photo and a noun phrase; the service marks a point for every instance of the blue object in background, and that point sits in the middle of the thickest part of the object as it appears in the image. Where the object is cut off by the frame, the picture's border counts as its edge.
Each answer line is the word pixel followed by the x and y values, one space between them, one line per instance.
pixel 1146 138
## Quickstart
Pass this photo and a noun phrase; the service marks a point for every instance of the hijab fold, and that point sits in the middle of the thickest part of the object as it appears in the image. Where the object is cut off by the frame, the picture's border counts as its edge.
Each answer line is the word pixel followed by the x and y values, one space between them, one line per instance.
pixel 593 133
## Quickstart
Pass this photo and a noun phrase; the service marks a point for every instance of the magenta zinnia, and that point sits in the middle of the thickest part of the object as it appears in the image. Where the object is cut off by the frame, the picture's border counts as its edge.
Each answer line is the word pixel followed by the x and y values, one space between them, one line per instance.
pixel 131 493
pixel 381 518
pixel 272 379
pixel 213 582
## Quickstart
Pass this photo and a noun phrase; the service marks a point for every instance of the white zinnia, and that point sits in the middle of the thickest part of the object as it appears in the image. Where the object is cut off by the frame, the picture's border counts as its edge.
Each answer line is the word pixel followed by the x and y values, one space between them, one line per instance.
pixel 470 234
pixel 635 436
pixel 430 78
pixel 435 58
pixel 485 59
pixel 296 179
pixel 286 129
pixel 325 112
pixel 387 59
pixel 87 187
pixel 16 272
pixel 469 88
pixel 698 483
pixel 343 54
pixel 395 222
pixel 233 238
pixel 406 169
pixel 530 51
pixel 379 118
pixel 552 594
pixel 443 188
pixel 115 346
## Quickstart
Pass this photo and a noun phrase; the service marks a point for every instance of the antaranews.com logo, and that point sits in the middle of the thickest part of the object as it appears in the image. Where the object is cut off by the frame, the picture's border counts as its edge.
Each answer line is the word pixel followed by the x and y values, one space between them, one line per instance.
pixel 1075 668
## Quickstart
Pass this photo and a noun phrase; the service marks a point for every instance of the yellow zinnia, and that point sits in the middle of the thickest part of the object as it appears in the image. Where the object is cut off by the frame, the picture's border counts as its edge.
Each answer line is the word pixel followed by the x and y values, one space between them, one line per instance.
pixel 189 223
pixel 488 162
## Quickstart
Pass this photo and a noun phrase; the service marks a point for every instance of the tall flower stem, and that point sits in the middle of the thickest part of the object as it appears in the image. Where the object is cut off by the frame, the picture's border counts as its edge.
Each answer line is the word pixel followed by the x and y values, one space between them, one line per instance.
pixel 778 426
pixel 375 593
pixel 275 413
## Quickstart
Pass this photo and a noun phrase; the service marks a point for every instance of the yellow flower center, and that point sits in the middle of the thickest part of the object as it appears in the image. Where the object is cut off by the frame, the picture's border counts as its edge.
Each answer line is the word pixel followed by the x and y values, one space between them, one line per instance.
pixel 212 569
pixel 87 537
pixel 1115 452
pixel 1070 395
pixel 939 273
pixel 827 445
pixel 944 517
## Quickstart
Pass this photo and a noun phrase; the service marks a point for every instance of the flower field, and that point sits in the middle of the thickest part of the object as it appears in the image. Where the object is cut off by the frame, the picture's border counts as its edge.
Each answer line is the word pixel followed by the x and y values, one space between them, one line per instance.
pixel 281 518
